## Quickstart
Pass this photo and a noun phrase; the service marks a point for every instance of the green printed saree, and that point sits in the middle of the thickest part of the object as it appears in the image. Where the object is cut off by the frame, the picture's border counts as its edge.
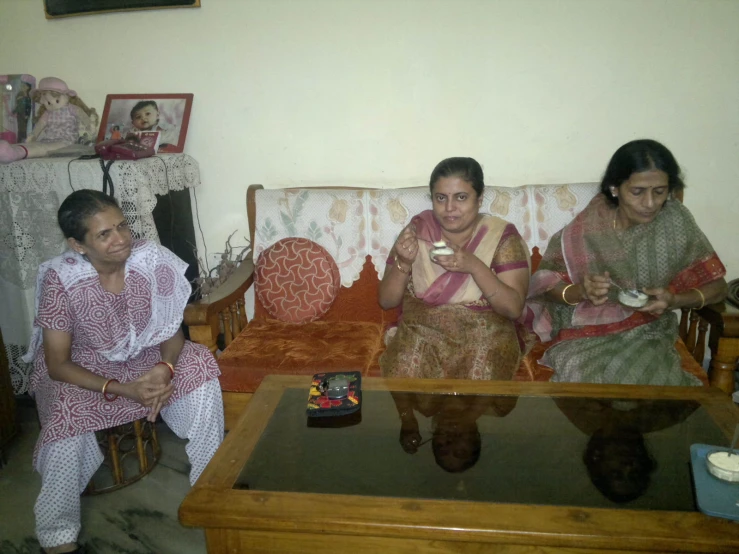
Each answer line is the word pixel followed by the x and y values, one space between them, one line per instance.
pixel 611 343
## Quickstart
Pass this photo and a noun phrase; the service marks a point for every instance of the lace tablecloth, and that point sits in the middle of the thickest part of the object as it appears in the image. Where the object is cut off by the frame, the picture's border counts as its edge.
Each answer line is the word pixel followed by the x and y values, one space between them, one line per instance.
pixel 351 224
pixel 31 191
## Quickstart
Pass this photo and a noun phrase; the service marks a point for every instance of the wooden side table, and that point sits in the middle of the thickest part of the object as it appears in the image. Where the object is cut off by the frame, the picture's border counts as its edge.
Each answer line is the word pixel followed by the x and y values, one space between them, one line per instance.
pixel 723 340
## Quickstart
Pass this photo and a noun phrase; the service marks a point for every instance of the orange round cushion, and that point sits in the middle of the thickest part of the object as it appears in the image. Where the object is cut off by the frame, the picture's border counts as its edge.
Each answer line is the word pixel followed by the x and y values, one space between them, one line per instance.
pixel 296 280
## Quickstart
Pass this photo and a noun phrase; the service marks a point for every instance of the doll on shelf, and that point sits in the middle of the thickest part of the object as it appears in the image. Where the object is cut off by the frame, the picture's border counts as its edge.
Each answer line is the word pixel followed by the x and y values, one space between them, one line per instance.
pixel 61 120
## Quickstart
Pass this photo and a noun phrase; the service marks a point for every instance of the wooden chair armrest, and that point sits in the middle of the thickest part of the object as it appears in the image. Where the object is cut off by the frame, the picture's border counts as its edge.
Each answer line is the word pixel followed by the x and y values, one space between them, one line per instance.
pixel 200 312
pixel 223 309
pixel 723 340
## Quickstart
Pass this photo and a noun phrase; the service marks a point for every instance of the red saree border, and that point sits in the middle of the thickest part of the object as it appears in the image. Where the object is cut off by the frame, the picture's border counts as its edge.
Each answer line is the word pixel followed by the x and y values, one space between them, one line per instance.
pixel 636 319
pixel 700 273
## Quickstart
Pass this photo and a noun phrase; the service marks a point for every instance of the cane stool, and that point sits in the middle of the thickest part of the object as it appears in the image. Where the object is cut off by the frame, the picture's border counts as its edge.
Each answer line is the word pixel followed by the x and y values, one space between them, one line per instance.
pixel 131 451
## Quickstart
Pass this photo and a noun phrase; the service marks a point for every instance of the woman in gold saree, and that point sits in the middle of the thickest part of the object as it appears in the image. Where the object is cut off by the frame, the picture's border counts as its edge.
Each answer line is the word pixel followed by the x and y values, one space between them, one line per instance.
pixel 633 234
pixel 458 310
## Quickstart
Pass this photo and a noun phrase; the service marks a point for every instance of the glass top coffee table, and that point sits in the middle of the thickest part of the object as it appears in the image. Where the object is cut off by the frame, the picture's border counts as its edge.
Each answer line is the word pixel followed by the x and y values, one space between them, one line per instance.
pixel 463 466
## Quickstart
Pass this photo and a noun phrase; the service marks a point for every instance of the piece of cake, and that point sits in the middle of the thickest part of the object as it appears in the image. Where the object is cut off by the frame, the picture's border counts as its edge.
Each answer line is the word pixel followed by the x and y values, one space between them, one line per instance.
pixel 441 249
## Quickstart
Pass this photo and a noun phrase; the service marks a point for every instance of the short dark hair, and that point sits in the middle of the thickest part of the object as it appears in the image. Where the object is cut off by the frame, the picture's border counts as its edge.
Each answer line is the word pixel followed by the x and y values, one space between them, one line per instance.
pixel 466 169
pixel 637 156
pixel 454 463
pixel 78 207
pixel 143 104
pixel 629 445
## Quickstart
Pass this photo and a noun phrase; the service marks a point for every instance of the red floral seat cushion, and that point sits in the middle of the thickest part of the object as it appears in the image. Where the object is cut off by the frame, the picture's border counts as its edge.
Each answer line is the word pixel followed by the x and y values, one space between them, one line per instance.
pixel 296 280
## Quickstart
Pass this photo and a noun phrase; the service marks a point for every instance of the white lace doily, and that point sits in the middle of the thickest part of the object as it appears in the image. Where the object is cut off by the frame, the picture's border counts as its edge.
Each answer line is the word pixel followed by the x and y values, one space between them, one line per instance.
pixel 537 211
pixel 31 191
pixel 333 218
pixel 354 223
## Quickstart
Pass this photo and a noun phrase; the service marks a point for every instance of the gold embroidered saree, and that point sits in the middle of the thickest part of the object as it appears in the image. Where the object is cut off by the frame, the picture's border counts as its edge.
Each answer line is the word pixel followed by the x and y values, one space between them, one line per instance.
pixel 447 329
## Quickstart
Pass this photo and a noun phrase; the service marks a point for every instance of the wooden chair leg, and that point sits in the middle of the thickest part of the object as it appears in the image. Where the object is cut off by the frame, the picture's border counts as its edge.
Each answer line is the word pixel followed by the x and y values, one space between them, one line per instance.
pixel 692 332
pixel 235 321
pixel 140 449
pixel 242 312
pixel 115 459
pixel 700 348
pixel 683 331
pixel 227 328
pixel 723 364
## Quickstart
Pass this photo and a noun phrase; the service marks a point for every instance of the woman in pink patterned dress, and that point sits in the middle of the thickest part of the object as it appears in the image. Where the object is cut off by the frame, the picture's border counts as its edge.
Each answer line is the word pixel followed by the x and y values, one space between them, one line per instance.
pixel 108 350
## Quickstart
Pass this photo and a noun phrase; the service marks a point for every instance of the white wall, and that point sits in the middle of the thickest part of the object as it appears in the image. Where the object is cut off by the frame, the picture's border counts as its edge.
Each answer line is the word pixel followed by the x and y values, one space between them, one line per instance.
pixel 376 92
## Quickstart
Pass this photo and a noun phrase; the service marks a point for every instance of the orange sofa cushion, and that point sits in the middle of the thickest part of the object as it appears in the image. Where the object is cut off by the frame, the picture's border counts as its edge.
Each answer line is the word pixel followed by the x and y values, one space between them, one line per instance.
pixel 355 303
pixel 296 280
pixel 275 347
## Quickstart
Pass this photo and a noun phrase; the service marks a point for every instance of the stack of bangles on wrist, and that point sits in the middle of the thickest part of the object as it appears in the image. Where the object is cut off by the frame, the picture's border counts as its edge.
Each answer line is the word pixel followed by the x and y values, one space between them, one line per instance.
pixel 109 396
pixel 564 298
pixel 170 366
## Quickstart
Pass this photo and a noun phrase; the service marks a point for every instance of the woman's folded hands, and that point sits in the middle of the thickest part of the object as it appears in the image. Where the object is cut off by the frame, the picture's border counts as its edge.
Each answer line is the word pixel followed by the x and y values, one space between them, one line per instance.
pixel 152 390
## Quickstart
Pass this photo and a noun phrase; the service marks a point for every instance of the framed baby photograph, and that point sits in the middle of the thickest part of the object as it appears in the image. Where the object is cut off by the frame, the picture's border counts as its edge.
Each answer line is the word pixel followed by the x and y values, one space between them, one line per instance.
pixel 167 114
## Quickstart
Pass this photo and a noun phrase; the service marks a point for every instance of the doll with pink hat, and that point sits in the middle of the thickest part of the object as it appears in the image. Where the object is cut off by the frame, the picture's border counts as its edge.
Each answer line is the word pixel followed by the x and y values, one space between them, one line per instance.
pixel 58 122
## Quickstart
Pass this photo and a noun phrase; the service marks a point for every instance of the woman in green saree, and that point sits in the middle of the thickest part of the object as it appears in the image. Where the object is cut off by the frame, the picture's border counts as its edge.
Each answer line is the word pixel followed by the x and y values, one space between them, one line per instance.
pixel 459 309
pixel 633 234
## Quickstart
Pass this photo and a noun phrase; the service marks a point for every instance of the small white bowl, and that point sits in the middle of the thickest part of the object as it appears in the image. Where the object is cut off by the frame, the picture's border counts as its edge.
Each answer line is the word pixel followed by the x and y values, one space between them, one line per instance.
pixel 627 300
pixel 723 465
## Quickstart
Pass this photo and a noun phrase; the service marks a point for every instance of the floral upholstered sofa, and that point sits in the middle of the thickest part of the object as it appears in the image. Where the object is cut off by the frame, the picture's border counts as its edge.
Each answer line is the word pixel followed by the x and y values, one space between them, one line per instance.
pixel 327 318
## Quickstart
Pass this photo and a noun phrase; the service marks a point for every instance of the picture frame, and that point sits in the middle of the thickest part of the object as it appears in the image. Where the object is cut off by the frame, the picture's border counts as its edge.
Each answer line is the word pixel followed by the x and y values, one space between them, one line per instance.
pixel 133 113
pixel 17 107
pixel 54 9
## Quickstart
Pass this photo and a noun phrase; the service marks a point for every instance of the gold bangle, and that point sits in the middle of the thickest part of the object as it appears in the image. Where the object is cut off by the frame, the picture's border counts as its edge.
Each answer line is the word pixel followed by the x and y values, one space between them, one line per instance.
pixel 400 268
pixel 703 299
pixel 170 366
pixel 105 388
pixel 564 298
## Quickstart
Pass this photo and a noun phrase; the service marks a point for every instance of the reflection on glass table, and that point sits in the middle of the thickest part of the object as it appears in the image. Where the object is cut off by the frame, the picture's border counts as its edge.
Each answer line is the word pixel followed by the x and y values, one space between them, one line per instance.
pixel 586 452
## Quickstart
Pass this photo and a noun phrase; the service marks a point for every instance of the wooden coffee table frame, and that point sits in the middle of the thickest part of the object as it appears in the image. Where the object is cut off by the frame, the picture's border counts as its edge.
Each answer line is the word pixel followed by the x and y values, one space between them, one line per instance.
pixel 259 521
